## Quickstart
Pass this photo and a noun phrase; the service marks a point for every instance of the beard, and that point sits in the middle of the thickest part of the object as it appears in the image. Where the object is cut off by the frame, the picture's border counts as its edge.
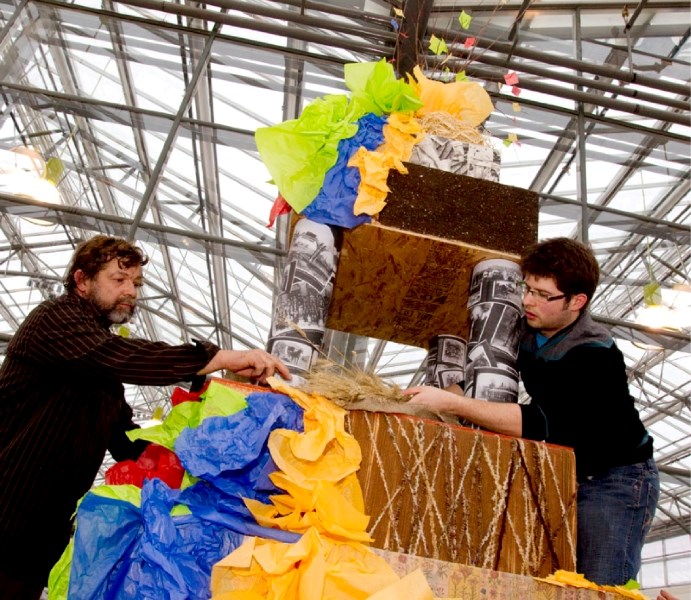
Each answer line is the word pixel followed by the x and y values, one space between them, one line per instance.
pixel 118 316
pixel 114 312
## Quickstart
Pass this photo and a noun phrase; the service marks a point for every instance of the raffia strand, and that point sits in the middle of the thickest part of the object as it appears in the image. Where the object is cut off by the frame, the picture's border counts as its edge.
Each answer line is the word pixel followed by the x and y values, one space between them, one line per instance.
pixel 447 126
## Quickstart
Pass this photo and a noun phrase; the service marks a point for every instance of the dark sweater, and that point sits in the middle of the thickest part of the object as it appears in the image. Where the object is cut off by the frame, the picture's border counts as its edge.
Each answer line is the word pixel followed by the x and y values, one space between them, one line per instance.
pixel 62 405
pixel 580 397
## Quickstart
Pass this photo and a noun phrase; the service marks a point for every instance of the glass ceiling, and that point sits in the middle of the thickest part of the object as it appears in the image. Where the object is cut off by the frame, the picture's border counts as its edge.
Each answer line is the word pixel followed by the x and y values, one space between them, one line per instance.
pixel 152 106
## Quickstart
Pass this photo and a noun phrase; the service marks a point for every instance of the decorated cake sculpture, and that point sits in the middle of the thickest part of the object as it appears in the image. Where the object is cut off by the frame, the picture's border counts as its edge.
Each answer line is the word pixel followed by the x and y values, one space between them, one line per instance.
pixel 249 493
pixel 254 493
pixel 379 132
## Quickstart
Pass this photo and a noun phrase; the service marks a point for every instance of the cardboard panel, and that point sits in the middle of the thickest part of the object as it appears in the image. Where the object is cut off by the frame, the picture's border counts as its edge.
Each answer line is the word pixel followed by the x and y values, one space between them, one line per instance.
pixel 456 494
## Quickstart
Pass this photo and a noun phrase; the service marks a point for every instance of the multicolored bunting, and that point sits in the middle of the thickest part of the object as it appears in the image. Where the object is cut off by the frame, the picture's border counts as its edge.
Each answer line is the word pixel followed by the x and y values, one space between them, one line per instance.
pixel 280 207
pixel 512 138
pixel 652 296
pixel 464 20
pixel 511 78
pixel 437 45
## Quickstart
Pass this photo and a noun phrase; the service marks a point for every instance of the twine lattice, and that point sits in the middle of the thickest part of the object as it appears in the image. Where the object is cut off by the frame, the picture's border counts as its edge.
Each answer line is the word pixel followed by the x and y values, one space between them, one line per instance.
pixel 465 496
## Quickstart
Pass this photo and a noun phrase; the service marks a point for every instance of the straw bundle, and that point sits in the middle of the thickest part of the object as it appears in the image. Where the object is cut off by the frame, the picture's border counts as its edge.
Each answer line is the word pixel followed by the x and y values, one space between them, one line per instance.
pixel 447 126
pixel 349 386
pixel 353 389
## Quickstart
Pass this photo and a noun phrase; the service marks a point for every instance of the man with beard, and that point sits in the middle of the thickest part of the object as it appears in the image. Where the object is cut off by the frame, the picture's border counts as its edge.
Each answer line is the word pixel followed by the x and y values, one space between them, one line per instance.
pixel 62 402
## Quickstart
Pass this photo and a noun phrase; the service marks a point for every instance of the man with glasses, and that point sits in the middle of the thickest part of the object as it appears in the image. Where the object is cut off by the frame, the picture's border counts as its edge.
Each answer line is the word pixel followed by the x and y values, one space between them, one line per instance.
pixel 576 378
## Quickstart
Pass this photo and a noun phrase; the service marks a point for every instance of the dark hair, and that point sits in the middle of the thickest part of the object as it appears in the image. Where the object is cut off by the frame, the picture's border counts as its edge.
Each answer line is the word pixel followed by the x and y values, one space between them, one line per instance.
pixel 91 255
pixel 571 264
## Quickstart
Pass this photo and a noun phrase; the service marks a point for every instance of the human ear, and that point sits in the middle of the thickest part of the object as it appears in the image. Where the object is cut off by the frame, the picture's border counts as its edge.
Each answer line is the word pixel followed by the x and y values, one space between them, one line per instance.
pixel 578 301
pixel 80 279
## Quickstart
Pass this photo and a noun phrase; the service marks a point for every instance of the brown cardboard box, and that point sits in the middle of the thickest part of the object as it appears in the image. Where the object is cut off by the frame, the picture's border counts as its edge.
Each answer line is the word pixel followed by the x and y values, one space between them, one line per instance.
pixel 451 493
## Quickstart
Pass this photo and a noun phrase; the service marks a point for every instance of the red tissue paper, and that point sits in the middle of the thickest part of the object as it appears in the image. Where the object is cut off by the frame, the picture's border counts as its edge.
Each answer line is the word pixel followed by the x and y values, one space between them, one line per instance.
pixel 156 462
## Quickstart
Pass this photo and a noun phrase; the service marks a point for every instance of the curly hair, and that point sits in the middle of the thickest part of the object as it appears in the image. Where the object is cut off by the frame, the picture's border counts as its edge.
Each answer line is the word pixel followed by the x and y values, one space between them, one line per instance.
pixel 91 255
pixel 571 264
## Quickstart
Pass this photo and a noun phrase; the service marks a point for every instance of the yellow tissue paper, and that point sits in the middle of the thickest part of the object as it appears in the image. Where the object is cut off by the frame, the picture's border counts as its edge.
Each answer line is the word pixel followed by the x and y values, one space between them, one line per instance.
pixel 313 568
pixel 625 592
pixel 374 170
pixel 316 469
pixel 569 578
pixel 465 100
pixel 328 510
pixel 340 458
pixel 413 586
pixel 564 578
pixel 401 132
pixel 323 451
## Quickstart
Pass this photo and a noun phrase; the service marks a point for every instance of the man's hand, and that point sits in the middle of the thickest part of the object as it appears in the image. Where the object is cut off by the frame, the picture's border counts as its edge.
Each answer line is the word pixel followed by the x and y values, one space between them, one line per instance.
pixel 434 399
pixel 501 417
pixel 256 365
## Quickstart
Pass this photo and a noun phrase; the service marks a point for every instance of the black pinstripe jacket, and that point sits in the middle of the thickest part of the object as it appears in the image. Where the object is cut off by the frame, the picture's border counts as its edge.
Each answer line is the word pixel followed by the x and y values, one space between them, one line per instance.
pixel 62 405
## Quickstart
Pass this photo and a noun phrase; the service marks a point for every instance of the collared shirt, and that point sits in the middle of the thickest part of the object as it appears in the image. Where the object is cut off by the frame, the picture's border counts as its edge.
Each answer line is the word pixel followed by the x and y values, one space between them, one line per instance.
pixel 62 405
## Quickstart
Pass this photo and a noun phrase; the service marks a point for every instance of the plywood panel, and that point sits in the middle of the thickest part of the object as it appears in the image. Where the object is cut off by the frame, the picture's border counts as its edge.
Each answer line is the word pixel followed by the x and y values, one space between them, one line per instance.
pixel 401 286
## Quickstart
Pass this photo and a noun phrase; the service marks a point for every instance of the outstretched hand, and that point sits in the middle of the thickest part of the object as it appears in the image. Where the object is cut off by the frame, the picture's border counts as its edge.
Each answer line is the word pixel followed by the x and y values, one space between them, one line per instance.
pixel 256 365
pixel 434 399
pixel 502 417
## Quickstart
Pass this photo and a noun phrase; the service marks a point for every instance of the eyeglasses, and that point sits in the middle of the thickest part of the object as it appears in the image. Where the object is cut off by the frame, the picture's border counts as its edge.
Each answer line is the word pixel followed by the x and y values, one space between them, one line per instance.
pixel 539 295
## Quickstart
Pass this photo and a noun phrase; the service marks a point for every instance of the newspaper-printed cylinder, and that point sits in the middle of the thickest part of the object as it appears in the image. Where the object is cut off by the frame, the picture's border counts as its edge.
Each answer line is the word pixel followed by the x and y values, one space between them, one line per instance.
pixel 494 304
pixel 446 359
pixel 302 302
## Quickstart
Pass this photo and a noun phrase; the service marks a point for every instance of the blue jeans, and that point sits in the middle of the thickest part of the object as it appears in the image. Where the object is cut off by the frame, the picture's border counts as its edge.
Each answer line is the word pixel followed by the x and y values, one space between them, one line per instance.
pixel 615 510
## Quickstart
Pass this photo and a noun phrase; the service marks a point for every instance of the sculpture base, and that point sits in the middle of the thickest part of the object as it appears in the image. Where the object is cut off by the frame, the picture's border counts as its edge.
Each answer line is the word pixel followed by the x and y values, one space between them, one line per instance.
pixel 456 581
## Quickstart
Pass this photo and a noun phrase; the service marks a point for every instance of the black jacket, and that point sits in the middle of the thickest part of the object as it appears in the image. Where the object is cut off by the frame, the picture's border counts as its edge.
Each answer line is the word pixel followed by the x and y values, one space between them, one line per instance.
pixel 62 405
pixel 580 397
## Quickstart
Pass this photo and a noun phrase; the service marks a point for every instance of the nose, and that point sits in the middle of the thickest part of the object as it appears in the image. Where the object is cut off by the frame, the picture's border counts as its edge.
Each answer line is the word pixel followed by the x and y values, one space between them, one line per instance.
pixel 528 298
pixel 131 289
